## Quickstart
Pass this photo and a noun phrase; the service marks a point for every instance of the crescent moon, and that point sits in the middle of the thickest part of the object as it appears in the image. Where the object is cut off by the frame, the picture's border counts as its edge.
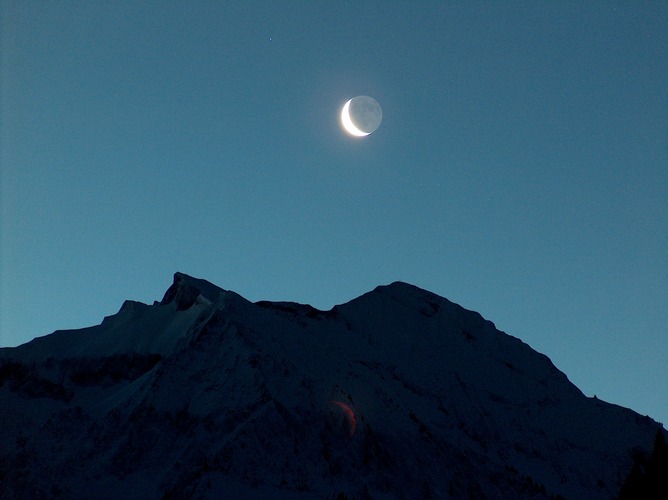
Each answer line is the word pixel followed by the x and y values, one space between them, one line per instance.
pixel 348 123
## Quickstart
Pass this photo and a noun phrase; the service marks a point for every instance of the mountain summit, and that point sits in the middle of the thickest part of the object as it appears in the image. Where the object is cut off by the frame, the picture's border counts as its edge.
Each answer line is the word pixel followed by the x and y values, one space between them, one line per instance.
pixel 398 393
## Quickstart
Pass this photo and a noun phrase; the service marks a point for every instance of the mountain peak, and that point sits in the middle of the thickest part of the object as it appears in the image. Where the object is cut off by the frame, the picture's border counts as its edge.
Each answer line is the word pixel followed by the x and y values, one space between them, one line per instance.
pixel 185 291
pixel 401 290
pixel 397 393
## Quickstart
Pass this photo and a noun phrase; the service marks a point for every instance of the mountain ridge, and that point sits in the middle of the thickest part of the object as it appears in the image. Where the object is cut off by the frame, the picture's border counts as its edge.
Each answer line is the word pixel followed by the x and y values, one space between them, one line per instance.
pixel 205 392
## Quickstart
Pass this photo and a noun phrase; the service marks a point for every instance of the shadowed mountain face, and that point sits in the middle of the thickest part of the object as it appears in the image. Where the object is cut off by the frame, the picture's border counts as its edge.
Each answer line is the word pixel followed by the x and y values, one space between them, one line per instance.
pixel 398 393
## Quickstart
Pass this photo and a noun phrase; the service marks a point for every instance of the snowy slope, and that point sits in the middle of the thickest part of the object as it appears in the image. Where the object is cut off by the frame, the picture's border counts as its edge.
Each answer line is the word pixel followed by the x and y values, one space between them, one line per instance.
pixel 206 394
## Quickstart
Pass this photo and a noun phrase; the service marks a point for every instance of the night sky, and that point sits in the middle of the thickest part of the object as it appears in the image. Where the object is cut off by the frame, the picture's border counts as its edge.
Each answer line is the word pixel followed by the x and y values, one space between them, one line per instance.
pixel 521 168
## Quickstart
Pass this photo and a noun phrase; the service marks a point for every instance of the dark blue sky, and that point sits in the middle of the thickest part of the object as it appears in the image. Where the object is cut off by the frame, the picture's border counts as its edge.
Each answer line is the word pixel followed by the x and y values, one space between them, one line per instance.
pixel 520 169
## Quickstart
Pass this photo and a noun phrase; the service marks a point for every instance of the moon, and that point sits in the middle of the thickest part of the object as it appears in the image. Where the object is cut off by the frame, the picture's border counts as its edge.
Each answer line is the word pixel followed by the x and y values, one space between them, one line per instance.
pixel 361 115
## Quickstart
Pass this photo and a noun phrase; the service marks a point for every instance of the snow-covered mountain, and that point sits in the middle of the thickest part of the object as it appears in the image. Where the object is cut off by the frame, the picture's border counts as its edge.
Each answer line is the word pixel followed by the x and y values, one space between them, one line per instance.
pixel 398 393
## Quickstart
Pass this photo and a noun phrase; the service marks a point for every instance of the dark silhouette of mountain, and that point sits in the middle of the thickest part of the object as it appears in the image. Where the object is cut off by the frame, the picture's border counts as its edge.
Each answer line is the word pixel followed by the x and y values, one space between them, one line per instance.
pixel 648 478
pixel 398 393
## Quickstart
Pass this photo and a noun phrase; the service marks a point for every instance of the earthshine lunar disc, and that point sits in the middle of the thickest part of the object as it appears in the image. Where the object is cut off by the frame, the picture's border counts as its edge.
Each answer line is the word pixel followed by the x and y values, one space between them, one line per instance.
pixel 361 115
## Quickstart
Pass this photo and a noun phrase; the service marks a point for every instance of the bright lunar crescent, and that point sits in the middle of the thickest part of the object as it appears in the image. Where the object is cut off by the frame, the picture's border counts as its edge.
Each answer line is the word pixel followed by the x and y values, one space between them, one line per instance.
pixel 361 115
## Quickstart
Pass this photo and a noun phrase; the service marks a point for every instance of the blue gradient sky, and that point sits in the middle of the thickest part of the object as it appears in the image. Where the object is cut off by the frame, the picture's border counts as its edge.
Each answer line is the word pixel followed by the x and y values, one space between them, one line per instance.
pixel 521 168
